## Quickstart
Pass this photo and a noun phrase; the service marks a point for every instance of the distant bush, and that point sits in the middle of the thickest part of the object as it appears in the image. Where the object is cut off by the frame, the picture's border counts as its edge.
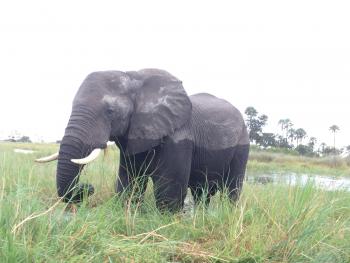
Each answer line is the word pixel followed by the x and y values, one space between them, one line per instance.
pixel 18 139
pixel 305 150
pixel 24 139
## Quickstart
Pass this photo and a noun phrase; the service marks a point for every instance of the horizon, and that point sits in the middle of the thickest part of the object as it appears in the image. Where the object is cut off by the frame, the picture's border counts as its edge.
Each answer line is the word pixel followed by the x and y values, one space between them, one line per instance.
pixel 40 139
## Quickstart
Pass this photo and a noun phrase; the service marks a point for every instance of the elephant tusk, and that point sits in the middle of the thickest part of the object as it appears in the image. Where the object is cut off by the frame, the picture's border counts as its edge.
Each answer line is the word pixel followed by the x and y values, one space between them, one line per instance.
pixel 92 156
pixel 47 158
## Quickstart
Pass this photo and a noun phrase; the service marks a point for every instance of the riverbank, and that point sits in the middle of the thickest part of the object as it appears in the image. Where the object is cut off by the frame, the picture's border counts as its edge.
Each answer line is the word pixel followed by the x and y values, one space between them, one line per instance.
pixel 264 162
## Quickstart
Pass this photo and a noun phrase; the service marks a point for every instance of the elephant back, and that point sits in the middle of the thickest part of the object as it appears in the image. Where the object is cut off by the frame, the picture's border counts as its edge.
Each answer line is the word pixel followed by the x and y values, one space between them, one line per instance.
pixel 216 124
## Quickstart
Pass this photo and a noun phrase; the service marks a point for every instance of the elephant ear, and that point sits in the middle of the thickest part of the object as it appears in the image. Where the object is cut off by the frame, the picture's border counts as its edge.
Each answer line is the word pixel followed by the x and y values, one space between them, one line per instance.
pixel 161 107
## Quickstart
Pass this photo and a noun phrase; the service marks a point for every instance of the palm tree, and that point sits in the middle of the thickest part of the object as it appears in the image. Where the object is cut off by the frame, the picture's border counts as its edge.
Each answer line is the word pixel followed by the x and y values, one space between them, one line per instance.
pixel 334 129
pixel 300 134
pixel 285 125
pixel 312 142
pixel 322 147
pixel 291 135
pixel 347 150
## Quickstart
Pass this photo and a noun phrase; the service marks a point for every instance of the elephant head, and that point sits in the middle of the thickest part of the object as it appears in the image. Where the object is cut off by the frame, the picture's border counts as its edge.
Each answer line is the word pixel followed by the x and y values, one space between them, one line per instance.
pixel 136 109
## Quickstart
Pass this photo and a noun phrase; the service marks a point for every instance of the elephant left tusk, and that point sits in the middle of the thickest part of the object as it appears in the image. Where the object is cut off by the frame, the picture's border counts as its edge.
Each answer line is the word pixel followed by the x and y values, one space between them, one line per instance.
pixel 92 156
pixel 47 158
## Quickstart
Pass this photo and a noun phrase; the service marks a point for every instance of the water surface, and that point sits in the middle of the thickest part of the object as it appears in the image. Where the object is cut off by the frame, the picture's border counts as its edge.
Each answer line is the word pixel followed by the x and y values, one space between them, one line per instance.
pixel 328 183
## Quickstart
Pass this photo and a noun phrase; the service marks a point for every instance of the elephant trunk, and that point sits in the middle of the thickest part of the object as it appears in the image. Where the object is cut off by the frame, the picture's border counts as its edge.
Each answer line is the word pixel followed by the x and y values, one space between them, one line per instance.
pixel 78 142
pixel 67 175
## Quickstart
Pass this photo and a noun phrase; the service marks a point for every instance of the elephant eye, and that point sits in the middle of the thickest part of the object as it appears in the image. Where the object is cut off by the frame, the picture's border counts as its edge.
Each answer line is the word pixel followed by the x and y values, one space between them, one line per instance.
pixel 110 112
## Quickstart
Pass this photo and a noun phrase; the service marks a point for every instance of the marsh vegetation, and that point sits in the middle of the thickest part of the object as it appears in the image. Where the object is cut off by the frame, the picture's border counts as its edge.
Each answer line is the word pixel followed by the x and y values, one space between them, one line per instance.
pixel 276 160
pixel 270 223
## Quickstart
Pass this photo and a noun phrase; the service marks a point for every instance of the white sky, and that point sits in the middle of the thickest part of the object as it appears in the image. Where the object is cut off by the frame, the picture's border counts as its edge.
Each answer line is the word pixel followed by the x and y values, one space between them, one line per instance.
pixel 288 59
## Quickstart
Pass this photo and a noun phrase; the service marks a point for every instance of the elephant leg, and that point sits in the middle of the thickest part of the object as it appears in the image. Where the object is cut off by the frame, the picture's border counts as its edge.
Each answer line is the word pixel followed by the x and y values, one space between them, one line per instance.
pixel 237 168
pixel 171 179
pixel 133 177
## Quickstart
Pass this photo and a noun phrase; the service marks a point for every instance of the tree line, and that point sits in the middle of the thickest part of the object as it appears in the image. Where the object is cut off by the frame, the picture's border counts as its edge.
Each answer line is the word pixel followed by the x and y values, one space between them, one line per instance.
pixel 290 137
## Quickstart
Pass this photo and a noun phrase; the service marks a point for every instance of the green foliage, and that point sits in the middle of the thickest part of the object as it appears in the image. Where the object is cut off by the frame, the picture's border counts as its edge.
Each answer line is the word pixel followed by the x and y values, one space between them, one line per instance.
pixel 267 140
pixel 304 150
pixel 255 124
pixel 271 223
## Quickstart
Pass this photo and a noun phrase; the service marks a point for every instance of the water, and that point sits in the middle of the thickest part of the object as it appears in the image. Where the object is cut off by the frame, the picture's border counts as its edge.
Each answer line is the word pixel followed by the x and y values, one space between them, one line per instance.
pixel 24 151
pixel 327 183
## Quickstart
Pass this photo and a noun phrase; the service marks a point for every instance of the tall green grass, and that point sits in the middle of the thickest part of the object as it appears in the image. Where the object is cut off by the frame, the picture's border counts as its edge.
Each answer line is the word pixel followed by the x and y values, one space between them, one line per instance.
pixel 270 223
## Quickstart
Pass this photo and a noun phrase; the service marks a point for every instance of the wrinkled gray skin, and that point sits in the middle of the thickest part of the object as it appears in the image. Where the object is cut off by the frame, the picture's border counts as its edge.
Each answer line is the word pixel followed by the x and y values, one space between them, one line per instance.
pixel 179 141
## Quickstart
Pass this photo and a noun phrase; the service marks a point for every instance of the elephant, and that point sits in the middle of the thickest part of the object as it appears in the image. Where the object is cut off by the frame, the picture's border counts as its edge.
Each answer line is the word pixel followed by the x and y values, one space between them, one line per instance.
pixel 198 142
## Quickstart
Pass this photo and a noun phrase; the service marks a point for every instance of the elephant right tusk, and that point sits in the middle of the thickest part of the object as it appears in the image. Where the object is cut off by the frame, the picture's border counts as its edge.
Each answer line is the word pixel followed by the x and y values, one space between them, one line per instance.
pixel 47 158
pixel 92 156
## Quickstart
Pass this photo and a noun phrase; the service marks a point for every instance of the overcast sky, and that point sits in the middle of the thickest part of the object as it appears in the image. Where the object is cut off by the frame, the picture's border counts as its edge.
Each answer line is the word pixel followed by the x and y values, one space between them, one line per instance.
pixel 288 59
